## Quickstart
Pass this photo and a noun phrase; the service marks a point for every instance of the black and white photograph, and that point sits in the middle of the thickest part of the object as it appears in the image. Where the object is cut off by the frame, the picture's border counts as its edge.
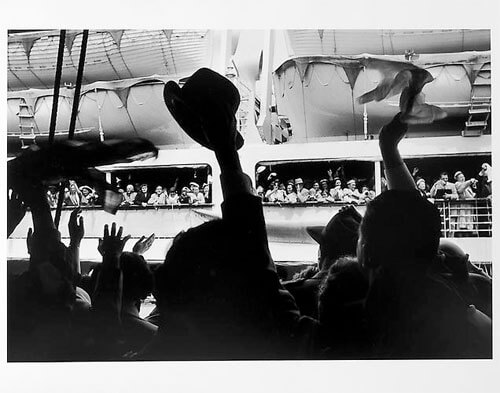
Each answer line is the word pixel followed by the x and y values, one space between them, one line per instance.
pixel 205 195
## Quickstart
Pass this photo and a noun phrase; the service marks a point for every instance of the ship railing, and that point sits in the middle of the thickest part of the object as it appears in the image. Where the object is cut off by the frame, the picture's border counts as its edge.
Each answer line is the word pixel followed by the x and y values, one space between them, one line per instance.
pixel 465 218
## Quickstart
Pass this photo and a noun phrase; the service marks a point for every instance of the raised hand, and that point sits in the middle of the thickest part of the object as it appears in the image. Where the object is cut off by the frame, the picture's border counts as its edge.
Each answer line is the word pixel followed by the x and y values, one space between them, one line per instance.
pixel 15 211
pixel 143 244
pixel 112 243
pixel 392 133
pixel 75 227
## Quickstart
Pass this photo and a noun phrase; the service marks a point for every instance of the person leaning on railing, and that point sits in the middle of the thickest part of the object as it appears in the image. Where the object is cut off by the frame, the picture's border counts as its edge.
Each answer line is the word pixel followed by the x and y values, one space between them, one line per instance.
pixel 466 211
pixel 443 189
pixel 129 196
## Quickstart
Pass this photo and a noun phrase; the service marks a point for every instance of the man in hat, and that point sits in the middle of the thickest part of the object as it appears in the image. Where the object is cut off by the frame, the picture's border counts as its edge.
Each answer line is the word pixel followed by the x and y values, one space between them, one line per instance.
pixel 337 193
pixel 351 193
pixel 218 292
pixel 195 194
pixel 302 192
pixel 184 198
pixel 338 238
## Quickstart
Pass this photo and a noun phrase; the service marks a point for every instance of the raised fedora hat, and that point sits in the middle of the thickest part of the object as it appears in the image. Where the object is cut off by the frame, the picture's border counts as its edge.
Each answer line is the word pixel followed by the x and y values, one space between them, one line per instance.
pixel 200 104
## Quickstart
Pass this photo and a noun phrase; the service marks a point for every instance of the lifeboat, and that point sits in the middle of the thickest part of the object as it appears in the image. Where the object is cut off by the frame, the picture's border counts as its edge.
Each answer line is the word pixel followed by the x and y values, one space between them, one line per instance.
pixel 116 109
pixel 111 55
pixel 314 42
pixel 318 93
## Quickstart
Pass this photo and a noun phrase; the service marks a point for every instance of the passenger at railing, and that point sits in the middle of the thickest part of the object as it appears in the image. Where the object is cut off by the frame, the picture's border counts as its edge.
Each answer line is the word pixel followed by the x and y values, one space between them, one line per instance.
pixel 484 206
pixel 184 198
pixel 143 196
pixel 351 193
pixel 486 181
pixel 337 193
pixel 315 193
pixel 129 196
pixel 464 187
pixel 206 192
pixel 291 195
pixel 158 197
pixel 422 188
pixel 367 195
pixel 52 196
pixel 302 193
pixel 196 196
pixel 90 197
pixel 74 197
pixel 324 188
pixel 465 223
pixel 274 194
pixel 172 198
pixel 443 189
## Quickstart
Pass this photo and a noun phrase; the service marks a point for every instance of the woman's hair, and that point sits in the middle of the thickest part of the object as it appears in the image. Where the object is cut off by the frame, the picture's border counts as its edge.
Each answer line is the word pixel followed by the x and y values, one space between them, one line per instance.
pixel 400 226
pixel 345 284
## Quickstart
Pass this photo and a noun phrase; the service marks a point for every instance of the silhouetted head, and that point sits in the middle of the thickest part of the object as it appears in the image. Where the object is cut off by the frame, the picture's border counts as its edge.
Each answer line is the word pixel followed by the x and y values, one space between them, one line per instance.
pixel 339 237
pixel 137 276
pixel 398 228
pixel 204 284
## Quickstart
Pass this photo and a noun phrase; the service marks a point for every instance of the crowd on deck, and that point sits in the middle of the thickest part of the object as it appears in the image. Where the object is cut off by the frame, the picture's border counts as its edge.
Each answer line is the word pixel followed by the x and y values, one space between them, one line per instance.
pixel 459 190
pixel 324 190
pixel 384 287
pixel 133 195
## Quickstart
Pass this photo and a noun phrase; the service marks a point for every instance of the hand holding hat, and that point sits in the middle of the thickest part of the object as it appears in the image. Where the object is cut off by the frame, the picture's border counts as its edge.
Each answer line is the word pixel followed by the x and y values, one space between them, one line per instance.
pixel 409 80
pixel 205 108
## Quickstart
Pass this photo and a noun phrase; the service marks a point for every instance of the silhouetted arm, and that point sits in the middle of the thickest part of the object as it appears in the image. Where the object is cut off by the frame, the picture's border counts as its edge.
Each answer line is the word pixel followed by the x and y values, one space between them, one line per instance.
pixel 397 174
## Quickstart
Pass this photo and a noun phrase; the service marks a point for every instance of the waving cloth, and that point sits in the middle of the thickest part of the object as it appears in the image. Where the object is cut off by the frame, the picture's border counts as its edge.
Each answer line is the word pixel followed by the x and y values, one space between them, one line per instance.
pixel 75 159
pixel 409 80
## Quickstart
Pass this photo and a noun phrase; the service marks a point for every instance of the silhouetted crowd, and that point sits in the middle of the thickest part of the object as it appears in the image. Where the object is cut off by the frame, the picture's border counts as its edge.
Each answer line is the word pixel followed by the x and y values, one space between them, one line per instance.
pixel 384 286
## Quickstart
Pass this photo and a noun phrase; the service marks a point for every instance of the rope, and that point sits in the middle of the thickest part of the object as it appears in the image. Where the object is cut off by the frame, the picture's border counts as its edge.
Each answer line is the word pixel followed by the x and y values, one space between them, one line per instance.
pixel 74 112
pixel 78 88
pixel 57 83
